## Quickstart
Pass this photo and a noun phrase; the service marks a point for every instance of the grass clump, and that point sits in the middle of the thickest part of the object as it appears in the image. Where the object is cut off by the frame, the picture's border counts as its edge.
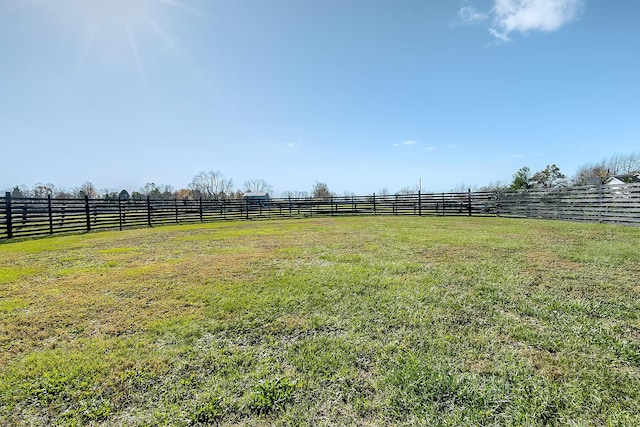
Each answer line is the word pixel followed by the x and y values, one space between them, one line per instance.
pixel 271 395
pixel 325 321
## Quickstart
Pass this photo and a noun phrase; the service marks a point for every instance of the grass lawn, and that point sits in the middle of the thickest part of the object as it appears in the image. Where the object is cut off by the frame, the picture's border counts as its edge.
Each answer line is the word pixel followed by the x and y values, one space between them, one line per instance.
pixel 371 321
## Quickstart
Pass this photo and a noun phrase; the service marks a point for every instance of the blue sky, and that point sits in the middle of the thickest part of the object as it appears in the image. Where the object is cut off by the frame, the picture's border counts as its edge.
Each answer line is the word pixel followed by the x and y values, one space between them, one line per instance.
pixel 359 94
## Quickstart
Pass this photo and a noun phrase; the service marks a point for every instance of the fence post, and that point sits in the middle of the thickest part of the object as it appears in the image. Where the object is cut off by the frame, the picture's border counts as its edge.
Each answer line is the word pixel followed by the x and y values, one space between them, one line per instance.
pixel 289 206
pixel 176 206
pixel 120 213
pixel 87 212
pixel 600 199
pixel 149 212
pixel 200 208
pixel 419 204
pixel 8 215
pixel 246 201
pixel 50 213
pixel 331 205
pixel 374 204
pixel 469 201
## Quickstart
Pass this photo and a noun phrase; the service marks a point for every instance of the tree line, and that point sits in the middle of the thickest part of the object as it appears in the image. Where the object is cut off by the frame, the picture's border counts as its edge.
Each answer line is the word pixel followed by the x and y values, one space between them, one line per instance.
pixel 625 167
pixel 213 185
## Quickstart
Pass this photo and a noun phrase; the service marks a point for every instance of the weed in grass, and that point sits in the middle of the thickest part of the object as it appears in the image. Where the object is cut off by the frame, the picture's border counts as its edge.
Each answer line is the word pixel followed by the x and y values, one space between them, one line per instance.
pixel 210 412
pixel 272 395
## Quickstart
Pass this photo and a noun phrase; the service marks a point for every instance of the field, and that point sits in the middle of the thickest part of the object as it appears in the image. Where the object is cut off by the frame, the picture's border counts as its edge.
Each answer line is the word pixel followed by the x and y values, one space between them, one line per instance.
pixel 325 322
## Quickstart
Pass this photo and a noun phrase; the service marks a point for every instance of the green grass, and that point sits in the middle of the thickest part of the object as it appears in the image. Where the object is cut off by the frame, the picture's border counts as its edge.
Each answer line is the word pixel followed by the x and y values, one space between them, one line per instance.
pixel 325 322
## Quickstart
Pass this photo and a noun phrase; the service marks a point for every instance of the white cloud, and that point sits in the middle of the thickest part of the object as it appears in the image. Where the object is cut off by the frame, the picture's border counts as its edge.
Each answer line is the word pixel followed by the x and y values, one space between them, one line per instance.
pixel 290 144
pixel 523 16
pixel 534 15
pixel 470 15
pixel 517 156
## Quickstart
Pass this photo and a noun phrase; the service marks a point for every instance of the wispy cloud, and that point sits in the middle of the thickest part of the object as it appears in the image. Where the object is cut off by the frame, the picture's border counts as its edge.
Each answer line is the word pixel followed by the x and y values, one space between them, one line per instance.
pixel 405 143
pixel 430 148
pixel 471 15
pixel 517 156
pixel 523 16
pixel 503 37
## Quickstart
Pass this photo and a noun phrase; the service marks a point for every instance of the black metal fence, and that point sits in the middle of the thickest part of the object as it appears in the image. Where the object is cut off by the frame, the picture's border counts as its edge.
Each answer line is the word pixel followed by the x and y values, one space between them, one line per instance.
pixel 24 217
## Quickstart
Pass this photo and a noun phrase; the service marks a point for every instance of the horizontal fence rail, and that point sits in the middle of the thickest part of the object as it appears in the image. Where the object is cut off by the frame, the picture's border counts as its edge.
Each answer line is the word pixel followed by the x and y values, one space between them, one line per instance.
pixel 26 217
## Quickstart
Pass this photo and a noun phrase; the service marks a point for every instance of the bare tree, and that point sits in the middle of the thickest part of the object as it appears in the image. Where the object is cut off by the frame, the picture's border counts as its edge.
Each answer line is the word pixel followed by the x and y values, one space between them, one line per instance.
pixel 226 188
pixel 151 190
pixel 408 190
pixel 257 186
pixel 167 192
pixel 624 164
pixel 618 164
pixel 590 172
pixel 86 189
pixel 320 190
pixel 158 192
pixel 41 191
pixel 211 185
pixel 460 188
pixel 295 194
pixel 64 194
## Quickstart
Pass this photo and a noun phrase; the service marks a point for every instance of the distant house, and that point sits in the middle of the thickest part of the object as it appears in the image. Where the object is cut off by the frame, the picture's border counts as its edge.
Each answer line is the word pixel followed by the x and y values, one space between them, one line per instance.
pixel 613 180
pixel 260 197
pixel 623 179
